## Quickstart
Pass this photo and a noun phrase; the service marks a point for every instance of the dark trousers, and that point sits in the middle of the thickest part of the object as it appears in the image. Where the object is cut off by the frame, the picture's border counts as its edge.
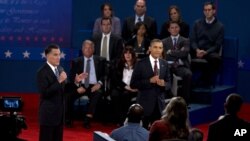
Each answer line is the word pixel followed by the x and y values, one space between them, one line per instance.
pixel 208 70
pixel 186 75
pixel 91 106
pixel 121 100
pixel 51 133
pixel 149 120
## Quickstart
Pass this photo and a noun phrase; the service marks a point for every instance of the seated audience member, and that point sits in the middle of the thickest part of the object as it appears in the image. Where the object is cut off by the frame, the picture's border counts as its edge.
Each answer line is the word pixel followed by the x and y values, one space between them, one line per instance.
pixel 91 86
pixel 132 129
pixel 140 16
pixel 226 127
pixel 140 42
pixel 206 42
pixel 177 48
pixel 107 12
pixel 174 122
pixel 122 93
pixel 174 14
pixel 195 135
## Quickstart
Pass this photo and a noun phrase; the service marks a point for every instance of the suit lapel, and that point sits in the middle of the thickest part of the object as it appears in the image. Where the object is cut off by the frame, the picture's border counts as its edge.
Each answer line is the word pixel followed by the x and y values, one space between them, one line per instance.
pixel 148 65
pixel 162 68
pixel 96 62
pixel 111 42
pixel 50 71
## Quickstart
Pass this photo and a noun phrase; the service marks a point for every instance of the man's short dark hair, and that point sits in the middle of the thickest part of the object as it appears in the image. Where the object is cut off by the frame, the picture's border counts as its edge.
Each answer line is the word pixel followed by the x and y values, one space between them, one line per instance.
pixel 210 3
pixel 135 113
pixel 49 48
pixel 106 18
pixel 233 103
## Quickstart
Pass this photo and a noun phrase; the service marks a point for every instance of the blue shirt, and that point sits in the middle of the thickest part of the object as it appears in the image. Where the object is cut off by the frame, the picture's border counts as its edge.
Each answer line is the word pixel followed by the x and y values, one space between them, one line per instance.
pixel 130 132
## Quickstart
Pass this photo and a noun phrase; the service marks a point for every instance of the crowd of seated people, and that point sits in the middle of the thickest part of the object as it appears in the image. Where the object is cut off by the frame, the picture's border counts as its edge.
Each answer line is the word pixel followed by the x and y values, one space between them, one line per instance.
pixel 144 62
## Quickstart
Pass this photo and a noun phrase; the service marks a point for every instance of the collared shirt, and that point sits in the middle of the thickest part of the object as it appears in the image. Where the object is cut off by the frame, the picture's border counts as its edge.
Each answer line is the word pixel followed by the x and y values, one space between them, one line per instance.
pixel 108 39
pixel 127 74
pixel 130 132
pixel 52 67
pixel 92 74
pixel 141 17
pixel 152 61
pixel 211 21
pixel 176 37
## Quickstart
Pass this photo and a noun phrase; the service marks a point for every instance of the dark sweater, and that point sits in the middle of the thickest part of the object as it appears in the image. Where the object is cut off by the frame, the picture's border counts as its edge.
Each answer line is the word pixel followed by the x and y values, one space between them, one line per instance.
pixel 208 37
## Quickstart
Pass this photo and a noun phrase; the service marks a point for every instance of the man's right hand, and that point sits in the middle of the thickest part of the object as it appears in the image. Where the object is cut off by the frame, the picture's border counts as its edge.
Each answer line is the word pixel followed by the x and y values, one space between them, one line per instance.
pixel 154 79
pixel 81 90
pixel 80 77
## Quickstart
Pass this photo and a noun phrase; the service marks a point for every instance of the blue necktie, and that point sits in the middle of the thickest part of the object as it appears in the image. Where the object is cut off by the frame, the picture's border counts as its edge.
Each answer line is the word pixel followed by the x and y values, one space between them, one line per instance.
pixel 57 73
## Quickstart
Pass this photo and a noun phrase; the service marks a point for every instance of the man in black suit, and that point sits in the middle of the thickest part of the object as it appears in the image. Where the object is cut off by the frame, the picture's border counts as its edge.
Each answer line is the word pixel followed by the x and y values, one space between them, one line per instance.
pixel 109 46
pixel 129 23
pixel 90 85
pixel 177 48
pixel 229 126
pixel 50 81
pixel 151 78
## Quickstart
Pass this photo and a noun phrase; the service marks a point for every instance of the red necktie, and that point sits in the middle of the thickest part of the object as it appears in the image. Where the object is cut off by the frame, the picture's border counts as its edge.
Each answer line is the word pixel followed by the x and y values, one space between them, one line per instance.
pixel 155 68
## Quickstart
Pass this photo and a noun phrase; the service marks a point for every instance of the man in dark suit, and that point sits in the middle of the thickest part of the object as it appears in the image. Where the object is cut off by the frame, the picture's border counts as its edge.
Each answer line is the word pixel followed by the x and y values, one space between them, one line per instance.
pixel 229 126
pixel 90 85
pixel 109 46
pixel 129 23
pixel 50 81
pixel 151 78
pixel 177 48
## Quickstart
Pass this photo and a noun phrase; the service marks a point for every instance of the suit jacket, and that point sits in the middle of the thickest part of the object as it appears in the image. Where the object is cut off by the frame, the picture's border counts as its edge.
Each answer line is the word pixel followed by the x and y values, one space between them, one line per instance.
pixel 224 129
pixel 181 52
pixel 115 46
pixel 77 68
pixel 51 107
pixel 150 93
pixel 129 25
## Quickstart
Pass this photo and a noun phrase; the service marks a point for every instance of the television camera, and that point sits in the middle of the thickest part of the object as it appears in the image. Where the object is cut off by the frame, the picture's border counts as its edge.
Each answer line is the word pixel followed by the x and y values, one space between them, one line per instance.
pixel 11 123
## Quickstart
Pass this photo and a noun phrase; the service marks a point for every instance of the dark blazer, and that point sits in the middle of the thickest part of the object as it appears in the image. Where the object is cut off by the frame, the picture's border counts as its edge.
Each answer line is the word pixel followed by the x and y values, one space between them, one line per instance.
pixel 115 46
pixel 224 129
pixel 51 109
pixel 129 25
pixel 150 93
pixel 181 52
pixel 77 68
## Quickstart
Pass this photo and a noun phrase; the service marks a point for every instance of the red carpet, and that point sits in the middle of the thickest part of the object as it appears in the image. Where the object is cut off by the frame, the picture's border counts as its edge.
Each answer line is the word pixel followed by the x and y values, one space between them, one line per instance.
pixel 78 133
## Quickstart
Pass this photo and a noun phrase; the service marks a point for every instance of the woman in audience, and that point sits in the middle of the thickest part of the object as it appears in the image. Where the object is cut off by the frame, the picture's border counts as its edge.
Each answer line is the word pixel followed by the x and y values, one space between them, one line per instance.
pixel 174 14
pixel 122 94
pixel 174 122
pixel 140 42
pixel 107 12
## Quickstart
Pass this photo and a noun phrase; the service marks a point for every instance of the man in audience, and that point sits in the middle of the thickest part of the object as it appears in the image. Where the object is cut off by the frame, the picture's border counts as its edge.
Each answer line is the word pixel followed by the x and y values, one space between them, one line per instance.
pixel 109 46
pixel 177 48
pixel 132 130
pixel 206 41
pixel 229 127
pixel 151 78
pixel 140 16
pixel 90 85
